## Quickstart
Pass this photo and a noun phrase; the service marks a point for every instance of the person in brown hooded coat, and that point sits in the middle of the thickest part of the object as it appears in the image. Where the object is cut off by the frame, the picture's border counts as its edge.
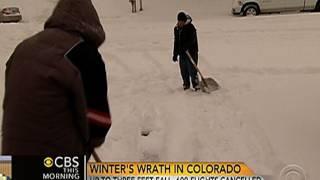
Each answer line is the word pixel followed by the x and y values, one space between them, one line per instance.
pixel 55 85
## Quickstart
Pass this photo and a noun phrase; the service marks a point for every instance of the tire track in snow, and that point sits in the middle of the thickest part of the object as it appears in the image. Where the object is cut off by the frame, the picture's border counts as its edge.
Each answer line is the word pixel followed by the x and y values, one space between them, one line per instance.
pixel 115 58
pixel 270 70
pixel 122 141
pixel 161 72
pixel 232 136
pixel 203 59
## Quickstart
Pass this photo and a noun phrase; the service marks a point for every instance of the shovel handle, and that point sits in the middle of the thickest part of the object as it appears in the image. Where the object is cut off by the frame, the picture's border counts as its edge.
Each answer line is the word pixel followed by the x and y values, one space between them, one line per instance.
pixel 195 66
pixel 96 156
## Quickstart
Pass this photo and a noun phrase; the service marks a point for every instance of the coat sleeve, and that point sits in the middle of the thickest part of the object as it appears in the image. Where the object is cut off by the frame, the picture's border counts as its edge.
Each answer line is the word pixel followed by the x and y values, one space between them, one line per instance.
pixel 86 58
pixel 8 65
pixel 66 76
pixel 79 108
pixel 95 83
pixel 176 41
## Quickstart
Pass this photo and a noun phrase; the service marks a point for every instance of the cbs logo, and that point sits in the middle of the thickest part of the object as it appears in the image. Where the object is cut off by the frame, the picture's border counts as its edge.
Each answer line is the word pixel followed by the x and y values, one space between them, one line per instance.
pixel 61 162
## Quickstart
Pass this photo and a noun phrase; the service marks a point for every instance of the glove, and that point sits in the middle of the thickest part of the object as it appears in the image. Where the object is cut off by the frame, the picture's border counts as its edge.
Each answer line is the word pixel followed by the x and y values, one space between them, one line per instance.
pixel 175 58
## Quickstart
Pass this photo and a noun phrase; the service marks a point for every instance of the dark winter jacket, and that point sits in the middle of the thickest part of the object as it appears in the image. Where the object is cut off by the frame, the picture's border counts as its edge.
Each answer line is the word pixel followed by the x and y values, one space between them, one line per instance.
pixel 52 80
pixel 185 38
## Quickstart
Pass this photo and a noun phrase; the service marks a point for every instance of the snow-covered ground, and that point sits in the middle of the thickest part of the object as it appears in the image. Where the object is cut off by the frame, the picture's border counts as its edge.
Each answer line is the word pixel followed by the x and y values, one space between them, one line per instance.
pixel 266 113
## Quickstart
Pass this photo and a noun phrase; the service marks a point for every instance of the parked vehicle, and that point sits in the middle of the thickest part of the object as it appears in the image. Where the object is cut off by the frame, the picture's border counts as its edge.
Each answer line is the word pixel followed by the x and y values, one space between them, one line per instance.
pixel 255 7
pixel 10 14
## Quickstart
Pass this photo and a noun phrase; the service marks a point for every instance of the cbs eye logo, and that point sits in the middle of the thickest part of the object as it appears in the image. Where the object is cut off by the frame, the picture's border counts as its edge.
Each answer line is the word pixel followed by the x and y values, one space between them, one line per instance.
pixel 61 162
pixel 293 172
pixel 48 162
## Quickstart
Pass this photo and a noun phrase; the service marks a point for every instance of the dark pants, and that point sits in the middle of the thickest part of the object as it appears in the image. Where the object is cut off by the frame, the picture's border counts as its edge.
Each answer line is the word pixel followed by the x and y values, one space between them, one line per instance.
pixel 134 6
pixel 188 70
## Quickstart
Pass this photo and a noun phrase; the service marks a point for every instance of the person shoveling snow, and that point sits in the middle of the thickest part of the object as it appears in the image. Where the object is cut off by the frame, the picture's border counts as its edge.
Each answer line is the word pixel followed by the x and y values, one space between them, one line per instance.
pixel 186 47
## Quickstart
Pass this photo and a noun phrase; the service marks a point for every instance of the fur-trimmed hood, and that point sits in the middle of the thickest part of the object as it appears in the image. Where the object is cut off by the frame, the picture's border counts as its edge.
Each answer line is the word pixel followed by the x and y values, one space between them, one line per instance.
pixel 189 19
pixel 77 16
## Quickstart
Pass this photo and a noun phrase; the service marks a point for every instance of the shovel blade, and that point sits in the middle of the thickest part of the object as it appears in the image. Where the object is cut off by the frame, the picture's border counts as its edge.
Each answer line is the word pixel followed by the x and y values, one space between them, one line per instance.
pixel 209 85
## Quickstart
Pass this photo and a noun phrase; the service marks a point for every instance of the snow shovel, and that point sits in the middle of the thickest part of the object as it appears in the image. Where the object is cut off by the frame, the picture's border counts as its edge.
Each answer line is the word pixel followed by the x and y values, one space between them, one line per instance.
pixel 207 84
pixel 96 156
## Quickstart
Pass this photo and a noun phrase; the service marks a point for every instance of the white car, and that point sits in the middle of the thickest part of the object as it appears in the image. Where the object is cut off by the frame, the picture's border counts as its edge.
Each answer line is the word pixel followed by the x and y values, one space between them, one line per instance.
pixel 10 14
pixel 255 7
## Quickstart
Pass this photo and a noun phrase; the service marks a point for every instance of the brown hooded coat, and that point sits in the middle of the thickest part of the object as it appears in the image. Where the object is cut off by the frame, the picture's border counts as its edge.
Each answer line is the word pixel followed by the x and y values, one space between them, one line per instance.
pixel 44 104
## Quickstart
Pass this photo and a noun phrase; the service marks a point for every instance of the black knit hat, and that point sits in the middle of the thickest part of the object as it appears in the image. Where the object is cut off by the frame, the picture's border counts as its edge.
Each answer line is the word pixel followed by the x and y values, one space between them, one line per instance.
pixel 182 16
